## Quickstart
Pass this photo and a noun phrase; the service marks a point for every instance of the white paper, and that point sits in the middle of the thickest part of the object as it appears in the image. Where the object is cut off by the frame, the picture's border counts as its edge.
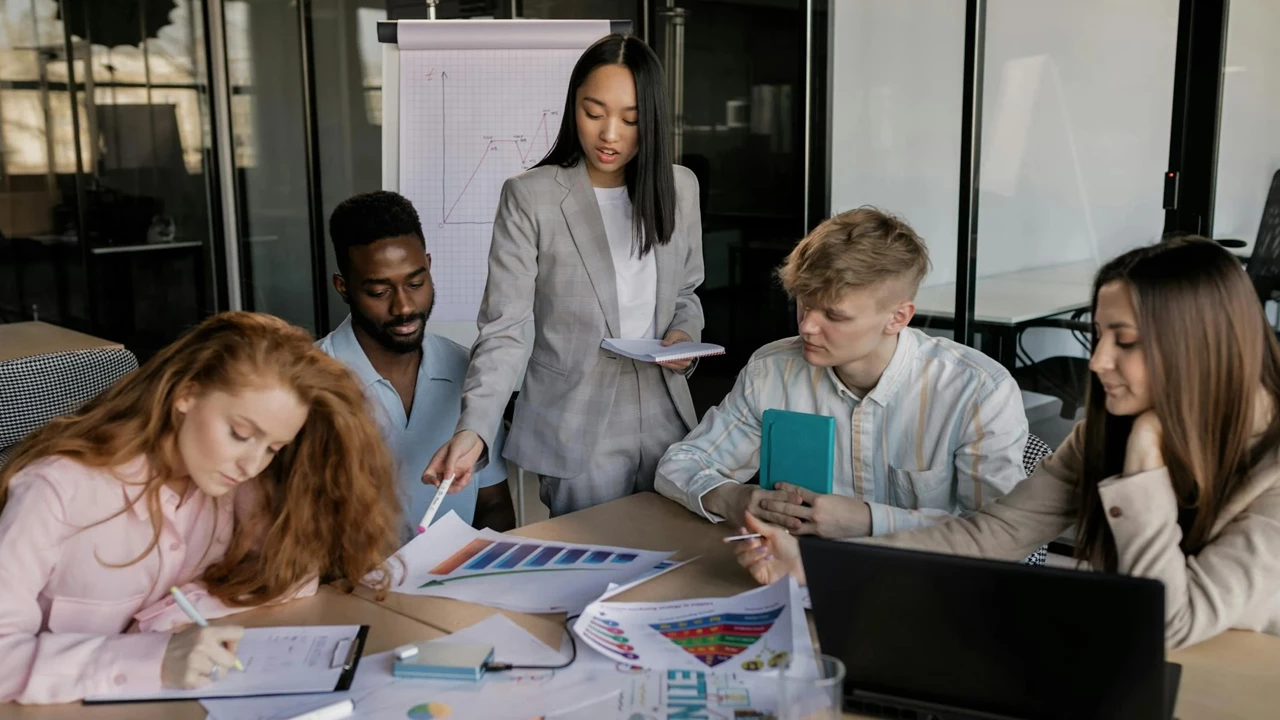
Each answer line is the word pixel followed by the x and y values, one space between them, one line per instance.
pixel 277 660
pixel 592 688
pixel 751 632
pixel 452 559
pixel 469 120
pixel 661 568
pixel 653 351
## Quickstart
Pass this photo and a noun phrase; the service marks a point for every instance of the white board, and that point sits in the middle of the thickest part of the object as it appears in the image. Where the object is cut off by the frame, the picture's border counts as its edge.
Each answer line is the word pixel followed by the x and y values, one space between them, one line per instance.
pixel 467 104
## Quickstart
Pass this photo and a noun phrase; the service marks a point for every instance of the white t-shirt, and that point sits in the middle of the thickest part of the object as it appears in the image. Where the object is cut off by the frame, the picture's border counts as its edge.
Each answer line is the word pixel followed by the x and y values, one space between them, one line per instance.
pixel 636 278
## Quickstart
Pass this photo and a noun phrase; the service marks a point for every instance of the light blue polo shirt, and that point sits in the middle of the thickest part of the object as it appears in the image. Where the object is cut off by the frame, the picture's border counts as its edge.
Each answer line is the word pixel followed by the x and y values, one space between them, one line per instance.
pixel 437 402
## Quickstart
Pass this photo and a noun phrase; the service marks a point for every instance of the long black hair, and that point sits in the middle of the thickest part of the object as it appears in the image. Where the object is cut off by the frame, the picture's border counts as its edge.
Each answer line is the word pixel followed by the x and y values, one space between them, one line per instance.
pixel 650 179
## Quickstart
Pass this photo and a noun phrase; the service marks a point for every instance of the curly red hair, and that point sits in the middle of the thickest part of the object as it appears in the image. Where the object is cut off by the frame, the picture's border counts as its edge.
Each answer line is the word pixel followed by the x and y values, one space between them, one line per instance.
pixel 327 506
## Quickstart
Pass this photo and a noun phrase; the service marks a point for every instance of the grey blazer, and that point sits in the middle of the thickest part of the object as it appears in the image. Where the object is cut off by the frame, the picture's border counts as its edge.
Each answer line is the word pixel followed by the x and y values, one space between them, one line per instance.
pixel 550 265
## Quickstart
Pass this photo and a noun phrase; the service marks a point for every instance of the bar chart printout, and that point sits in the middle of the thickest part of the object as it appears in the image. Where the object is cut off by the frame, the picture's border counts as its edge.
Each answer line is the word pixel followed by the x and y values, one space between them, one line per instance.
pixel 452 559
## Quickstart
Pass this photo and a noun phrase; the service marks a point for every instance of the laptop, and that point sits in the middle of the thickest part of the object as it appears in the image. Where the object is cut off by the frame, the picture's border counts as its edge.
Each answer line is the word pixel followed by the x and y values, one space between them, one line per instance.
pixel 930 636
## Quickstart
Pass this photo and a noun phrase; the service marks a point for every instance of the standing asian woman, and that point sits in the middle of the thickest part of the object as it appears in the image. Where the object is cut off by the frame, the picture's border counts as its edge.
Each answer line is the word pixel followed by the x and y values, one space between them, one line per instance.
pixel 1174 474
pixel 239 464
pixel 603 238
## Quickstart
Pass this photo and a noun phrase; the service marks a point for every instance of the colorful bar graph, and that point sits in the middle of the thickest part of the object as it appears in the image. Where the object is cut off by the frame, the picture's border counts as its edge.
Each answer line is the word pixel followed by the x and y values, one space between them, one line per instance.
pixel 514 557
pixel 596 557
pixel 488 557
pixel 570 556
pixel 624 558
pixel 455 561
pixel 543 556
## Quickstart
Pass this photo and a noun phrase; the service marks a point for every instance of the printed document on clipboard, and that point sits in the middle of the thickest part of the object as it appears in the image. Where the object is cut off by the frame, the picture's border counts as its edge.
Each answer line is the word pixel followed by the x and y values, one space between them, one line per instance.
pixel 277 661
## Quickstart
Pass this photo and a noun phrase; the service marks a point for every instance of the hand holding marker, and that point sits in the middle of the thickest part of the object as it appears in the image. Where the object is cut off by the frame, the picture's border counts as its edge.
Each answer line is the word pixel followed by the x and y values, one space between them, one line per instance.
pixel 194 614
pixel 435 504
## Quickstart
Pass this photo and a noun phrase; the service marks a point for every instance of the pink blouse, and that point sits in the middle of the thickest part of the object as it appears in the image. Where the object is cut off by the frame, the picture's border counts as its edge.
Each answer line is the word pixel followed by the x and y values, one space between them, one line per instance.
pixel 64 609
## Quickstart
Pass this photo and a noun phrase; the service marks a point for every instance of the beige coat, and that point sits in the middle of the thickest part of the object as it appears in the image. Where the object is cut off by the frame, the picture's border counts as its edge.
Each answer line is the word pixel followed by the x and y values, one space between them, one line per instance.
pixel 1234 582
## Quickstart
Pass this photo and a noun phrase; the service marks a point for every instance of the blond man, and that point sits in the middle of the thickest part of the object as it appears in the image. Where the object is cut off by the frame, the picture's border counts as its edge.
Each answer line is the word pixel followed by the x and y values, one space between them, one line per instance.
pixel 926 428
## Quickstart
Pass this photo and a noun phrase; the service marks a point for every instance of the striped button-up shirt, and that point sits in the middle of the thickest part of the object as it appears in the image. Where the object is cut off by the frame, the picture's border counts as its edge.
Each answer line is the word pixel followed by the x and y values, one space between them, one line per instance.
pixel 941 433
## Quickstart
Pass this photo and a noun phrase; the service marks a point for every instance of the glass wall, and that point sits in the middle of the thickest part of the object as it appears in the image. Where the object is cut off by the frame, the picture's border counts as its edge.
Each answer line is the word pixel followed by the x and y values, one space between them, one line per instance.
pixel 737 78
pixel 349 110
pixel 1075 143
pixel 895 126
pixel 104 184
pixel 264 62
pixel 1249 135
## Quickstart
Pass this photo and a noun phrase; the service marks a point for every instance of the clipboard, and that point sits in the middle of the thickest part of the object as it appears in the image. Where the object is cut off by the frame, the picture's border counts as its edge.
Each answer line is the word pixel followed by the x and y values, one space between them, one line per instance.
pixel 258 679
pixel 797 448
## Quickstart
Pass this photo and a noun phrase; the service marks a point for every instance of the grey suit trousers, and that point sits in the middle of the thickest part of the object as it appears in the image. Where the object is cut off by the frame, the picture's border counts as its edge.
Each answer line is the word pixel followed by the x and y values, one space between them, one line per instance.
pixel 641 425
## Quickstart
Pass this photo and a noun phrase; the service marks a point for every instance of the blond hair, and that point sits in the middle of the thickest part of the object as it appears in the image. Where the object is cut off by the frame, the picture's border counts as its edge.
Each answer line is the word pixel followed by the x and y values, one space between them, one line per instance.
pixel 856 249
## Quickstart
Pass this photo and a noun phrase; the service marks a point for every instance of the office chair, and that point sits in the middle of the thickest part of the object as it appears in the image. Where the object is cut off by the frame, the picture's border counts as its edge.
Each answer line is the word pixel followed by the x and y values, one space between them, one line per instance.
pixel 1263 263
pixel 1064 377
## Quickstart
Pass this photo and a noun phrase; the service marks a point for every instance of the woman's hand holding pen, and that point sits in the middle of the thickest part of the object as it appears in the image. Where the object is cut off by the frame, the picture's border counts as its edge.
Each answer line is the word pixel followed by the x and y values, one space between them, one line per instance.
pixel 772 556
pixel 191 657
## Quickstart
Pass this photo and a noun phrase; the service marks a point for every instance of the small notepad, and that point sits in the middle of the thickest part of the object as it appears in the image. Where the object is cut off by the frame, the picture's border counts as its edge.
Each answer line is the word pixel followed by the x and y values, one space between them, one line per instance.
pixel 652 351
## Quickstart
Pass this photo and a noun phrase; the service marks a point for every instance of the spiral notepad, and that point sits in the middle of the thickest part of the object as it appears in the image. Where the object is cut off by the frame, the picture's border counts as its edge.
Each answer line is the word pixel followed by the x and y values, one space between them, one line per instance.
pixel 652 351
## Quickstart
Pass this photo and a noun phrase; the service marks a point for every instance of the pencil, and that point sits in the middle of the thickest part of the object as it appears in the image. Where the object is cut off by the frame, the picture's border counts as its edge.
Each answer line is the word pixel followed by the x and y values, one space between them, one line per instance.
pixel 194 614
pixel 748 536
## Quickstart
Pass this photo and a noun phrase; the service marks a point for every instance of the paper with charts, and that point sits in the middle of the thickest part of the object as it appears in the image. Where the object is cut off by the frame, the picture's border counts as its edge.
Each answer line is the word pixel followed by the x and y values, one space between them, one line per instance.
pixel 747 632
pixel 452 559
pixel 594 687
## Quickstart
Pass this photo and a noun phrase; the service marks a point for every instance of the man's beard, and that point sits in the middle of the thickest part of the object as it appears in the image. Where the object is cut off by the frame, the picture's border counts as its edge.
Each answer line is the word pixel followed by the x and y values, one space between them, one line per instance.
pixel 389 340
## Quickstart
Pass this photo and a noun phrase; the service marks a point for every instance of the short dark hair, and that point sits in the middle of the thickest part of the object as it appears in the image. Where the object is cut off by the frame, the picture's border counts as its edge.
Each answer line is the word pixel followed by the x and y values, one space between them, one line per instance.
pixel 650 178
pixel 366 218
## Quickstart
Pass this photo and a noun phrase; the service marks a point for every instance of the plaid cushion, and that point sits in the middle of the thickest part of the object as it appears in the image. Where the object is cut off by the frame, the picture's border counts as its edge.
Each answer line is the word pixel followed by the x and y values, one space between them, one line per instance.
pixel 1035 451
pixel 36 389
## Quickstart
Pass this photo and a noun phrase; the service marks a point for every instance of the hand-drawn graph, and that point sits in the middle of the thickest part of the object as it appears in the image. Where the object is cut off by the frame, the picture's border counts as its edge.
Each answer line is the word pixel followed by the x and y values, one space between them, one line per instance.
pixel 470 119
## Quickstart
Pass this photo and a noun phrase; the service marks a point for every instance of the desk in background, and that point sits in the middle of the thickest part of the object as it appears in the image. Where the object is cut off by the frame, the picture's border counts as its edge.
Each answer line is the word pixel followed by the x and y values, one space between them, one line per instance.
pixel 24 339
pixel 1006 303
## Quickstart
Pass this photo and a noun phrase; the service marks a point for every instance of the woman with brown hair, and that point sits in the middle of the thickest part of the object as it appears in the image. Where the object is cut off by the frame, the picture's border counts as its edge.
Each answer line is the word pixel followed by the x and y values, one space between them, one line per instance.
pixel 238 464
pixel 1174 472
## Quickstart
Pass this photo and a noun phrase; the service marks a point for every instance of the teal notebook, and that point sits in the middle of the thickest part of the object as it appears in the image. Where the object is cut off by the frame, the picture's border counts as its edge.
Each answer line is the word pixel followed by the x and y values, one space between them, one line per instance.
pixel 797 448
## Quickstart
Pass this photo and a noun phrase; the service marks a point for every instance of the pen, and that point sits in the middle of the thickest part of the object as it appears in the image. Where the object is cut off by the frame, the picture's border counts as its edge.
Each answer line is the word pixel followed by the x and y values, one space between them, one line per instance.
pixel 435 504
pixel 748 536
pixel 195 616
pixel 335 711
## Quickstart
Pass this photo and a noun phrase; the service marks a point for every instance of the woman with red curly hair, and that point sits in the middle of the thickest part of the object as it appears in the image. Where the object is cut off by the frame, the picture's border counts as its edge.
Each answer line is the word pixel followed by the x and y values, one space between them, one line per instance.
pixel 239 464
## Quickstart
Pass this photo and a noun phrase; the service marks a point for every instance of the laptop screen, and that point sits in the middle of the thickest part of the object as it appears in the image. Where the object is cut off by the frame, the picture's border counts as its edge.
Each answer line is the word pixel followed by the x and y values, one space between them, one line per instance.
pixel 992 637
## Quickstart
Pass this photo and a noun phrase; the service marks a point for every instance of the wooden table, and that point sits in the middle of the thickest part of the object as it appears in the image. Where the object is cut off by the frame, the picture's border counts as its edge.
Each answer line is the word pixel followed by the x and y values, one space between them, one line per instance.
pixel 327 607
pixel 1231 676
pixel 24 339
pixel 647 522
